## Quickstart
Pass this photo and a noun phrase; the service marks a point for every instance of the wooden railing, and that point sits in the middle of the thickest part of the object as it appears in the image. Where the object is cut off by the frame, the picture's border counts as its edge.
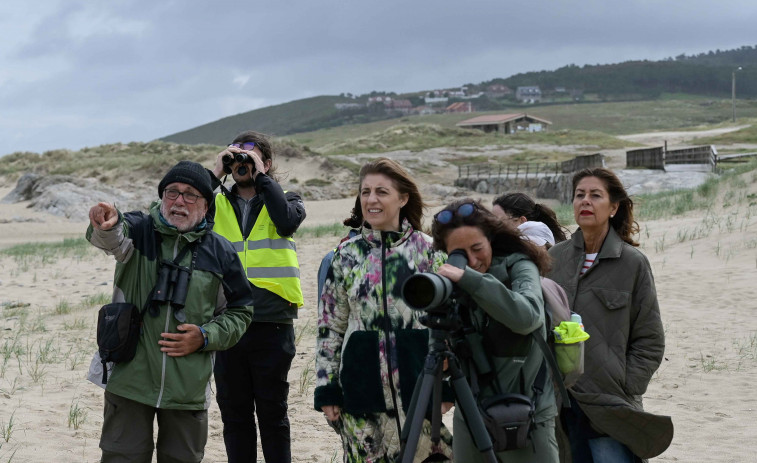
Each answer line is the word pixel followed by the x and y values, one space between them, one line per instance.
pixel 520 170
pixel 697 155
pixel 658 158
pixel 648 158
pixel 529 169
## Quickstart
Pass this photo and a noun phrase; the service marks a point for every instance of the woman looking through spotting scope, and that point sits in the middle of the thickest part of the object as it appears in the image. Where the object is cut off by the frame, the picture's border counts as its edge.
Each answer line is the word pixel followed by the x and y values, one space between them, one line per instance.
pixel 501 294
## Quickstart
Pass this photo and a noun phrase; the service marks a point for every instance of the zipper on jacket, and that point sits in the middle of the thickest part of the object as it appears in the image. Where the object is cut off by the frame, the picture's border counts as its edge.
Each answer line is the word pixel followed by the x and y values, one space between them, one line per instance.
pixel 165 330
pixel 387 332
pixel 165 357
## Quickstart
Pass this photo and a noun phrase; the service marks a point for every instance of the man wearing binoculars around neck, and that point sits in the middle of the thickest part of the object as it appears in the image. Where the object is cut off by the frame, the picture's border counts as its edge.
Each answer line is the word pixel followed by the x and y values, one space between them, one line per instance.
pixel 184 320
pixel 259 219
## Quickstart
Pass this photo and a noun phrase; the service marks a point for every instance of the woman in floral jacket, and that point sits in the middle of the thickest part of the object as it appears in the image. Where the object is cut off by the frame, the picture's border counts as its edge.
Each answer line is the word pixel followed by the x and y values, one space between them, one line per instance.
pixel 371 346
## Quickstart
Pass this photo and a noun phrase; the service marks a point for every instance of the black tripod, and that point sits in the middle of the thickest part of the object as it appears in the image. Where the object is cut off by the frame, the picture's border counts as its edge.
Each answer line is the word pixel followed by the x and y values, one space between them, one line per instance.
pixel 431 381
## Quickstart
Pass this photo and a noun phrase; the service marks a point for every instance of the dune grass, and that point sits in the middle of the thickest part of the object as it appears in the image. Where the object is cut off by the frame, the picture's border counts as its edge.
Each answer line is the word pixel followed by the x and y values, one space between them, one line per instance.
pixel 317 231
pixel 26 254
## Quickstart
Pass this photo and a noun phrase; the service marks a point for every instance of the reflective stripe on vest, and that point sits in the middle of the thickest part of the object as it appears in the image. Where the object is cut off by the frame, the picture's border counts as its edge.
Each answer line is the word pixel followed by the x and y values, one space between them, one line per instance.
pixel 270 259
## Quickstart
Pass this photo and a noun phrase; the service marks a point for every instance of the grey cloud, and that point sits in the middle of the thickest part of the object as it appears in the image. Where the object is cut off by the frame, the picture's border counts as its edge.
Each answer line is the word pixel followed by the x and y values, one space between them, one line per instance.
pixel 138 70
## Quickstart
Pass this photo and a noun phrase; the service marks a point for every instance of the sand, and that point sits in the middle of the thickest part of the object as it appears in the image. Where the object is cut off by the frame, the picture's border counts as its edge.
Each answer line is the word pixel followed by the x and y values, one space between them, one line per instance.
pixel 705 266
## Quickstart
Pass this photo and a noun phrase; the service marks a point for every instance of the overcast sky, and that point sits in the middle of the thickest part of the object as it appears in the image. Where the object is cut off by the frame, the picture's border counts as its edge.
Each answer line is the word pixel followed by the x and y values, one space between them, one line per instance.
pixel 76 73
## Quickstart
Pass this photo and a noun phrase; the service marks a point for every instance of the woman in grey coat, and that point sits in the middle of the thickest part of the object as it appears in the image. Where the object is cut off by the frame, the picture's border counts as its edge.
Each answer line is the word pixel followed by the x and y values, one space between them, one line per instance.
pixel 609 283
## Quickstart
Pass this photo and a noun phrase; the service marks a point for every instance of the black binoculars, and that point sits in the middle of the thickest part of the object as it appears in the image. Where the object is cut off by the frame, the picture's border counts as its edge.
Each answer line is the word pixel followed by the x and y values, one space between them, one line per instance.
pixel 229 159
pixel 172 285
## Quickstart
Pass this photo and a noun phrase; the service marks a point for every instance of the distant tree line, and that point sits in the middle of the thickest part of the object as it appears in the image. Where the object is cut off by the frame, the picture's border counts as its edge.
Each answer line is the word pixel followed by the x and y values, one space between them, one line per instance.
pixel 702 74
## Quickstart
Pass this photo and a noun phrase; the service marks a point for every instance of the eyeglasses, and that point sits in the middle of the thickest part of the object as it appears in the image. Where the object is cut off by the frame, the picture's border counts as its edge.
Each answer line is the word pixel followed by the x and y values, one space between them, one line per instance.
pixel 246 146
pixel 189 198
pixel 464 210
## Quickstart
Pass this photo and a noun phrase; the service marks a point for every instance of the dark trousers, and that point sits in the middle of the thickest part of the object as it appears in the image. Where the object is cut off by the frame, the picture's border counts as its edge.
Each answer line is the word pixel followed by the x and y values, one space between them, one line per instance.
pixel 251 378
pixel 127 434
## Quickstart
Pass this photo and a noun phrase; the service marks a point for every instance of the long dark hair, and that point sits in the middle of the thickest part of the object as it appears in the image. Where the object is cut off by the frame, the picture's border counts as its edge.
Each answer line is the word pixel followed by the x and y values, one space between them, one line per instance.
pixel 262 142
pixel 623 221
pixel 521 205
pixel 412 210
pixel 504 239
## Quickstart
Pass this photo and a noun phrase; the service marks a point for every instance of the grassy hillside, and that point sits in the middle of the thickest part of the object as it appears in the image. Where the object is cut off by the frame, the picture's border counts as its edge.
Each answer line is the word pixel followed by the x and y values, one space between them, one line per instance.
pixel 746 135
pixel 296 116
pixel 417 137
pixel 316 122
pixel 671 93
pixel 618 118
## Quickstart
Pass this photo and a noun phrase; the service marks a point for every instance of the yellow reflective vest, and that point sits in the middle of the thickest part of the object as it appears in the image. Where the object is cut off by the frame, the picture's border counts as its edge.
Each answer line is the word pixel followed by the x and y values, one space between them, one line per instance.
pixel 269 259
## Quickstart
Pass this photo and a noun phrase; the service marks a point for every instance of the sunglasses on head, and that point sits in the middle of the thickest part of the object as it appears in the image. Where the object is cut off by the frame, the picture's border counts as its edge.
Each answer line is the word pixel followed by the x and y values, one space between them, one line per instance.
pixel 464 210
pixel 246 146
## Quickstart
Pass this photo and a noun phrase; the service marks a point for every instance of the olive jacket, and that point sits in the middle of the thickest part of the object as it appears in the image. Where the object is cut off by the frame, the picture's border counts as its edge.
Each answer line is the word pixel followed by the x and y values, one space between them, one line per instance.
pixel 617 300
pixel 219 298
pixel 508 309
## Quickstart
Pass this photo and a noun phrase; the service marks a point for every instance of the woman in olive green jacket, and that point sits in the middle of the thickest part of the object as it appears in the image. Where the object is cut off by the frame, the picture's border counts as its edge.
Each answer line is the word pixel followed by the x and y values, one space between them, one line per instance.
pixel 609 283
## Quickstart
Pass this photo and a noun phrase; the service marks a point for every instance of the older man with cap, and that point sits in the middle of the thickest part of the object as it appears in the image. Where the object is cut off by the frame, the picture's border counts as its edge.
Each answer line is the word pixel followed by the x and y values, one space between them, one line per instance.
pixel 170 374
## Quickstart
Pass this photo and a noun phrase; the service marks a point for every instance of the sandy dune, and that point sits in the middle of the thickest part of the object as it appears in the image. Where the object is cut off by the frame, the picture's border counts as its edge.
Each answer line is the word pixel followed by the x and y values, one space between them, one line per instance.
pixel 705 266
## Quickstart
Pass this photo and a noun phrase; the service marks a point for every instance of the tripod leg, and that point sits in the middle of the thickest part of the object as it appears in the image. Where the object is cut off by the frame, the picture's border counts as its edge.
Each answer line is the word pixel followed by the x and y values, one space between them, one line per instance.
pixel 470 412
pixel 417 411
pixel 436 407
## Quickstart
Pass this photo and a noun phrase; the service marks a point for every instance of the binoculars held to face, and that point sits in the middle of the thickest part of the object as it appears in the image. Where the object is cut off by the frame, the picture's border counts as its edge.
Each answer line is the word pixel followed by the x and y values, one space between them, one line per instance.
pixel 241 158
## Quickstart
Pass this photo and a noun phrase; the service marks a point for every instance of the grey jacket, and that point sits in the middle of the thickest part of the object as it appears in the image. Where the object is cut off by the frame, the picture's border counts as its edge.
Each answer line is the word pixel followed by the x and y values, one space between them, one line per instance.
pixel 618 302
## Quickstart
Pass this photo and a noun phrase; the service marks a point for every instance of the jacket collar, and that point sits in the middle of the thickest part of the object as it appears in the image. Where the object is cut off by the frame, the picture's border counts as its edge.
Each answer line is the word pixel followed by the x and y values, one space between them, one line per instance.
pixel 391 239
pixel 501 264
pixel 611 248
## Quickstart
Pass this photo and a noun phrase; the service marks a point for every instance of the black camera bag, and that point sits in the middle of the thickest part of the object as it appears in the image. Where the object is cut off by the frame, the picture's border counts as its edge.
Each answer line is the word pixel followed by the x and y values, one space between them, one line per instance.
pixel 508 419
pixel 118 325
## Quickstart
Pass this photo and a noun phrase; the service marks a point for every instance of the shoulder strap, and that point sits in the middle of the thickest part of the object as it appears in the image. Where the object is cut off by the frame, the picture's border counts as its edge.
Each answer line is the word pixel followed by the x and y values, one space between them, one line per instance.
pixel 549 358
pixel 541 377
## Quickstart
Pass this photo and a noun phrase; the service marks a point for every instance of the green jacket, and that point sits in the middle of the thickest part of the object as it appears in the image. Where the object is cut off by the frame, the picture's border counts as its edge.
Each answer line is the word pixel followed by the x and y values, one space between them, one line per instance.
pixel 617 300
pixel 507 307
pixel 219 299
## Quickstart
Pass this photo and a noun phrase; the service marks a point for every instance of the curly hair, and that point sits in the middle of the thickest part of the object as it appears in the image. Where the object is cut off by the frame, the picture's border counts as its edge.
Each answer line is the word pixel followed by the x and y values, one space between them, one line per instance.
pixel 412 210
pixel 623 221
pixel 504 240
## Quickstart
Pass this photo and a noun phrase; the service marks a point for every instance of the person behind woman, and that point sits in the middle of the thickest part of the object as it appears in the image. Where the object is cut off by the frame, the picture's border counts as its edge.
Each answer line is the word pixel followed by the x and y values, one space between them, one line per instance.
pixel 517 209
pixel 609 283
pixel 370 344
pixel 502 297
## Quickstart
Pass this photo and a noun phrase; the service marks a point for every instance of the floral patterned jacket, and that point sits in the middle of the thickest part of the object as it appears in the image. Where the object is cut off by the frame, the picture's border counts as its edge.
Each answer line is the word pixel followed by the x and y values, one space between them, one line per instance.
pixel 370 345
